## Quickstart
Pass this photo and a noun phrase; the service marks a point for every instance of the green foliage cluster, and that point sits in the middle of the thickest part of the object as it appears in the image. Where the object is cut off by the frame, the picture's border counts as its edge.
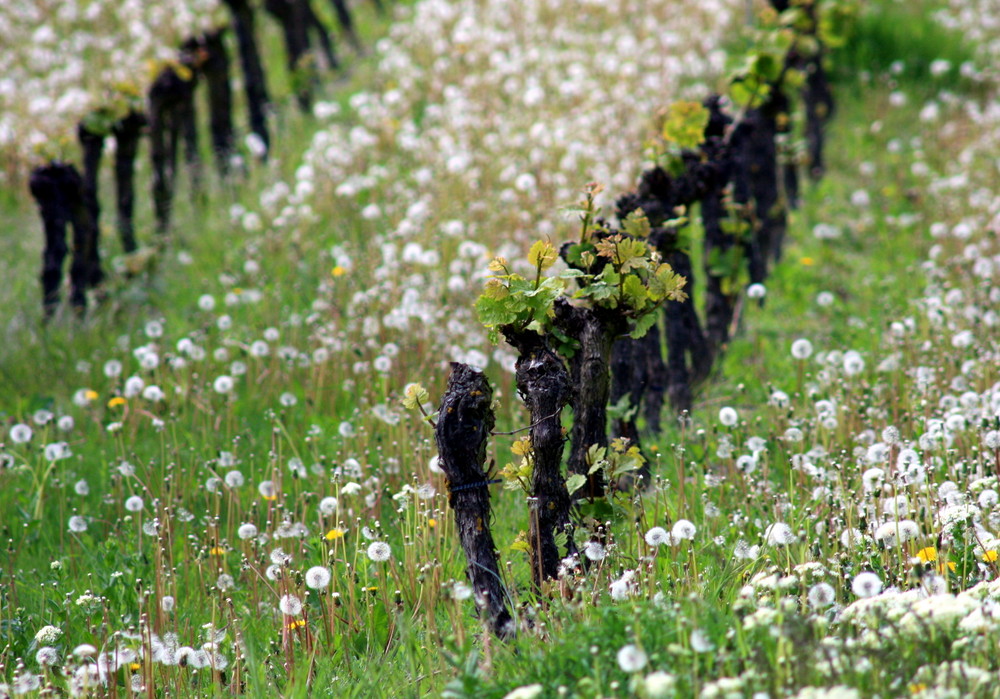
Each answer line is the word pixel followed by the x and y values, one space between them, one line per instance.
pixel 804 29
pixel 611 270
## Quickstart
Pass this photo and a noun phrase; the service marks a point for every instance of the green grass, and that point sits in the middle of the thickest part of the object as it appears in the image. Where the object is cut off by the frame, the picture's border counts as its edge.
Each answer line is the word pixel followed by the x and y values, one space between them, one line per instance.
pixel 395 628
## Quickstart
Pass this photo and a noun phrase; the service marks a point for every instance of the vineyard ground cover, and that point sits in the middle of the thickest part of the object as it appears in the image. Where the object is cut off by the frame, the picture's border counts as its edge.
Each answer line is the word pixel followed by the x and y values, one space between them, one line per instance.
pixel 870 270
pixel 203 230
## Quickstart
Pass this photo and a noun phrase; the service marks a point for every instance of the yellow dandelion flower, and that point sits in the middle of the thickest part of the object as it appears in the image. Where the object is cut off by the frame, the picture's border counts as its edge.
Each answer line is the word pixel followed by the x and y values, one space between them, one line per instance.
pixel 917 688
pixel 433 523
pixel 297 624
pixel 927 555
pixel 90 394
pixel 945 567
pixel 808 261
pixel 334 534
pixel 117 401
pixel 338 271
pixel 990 556
pixel 218 551
pixel 134 667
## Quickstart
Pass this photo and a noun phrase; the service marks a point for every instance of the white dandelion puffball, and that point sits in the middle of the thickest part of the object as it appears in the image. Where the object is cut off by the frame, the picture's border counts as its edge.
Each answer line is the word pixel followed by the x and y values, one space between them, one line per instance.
pixel 866 584
pixel 632 658
pixel 756 291
pixel 659 684
pixel 267 489
pixel 821 595
pixel 528 691
pixel 223 384
pixel 20 433
pixel 47 655
pixel 595 551
pixel 290 605
pixel 657 536
pixel 779 534
pixel 379 552
pixel 328 506
pixel 133 504
pixel 802 349
pixel 77 524
pixel 247 531
pixel 683 530
pixel 728 416
pixel 317 577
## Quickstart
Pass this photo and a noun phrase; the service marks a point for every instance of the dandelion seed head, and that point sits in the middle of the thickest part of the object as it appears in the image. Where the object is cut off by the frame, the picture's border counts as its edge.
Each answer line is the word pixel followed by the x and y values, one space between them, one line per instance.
pixel 657 536
pixel 866 584
pixel 728 416
pixel 134 504
pixel 632 658
pixel 317 577
pixel 290 605
pixel 379 552
pixel 779 534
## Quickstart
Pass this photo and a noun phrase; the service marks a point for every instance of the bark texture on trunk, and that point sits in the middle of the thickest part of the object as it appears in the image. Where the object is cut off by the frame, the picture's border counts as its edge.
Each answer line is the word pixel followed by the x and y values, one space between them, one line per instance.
pixel 127 133
pixel 463 428
pixel 58 190
pixel 254 84
pixel 87 262
pixel 544 385
pixel 215 68
pixel 171 114
pixel 595 331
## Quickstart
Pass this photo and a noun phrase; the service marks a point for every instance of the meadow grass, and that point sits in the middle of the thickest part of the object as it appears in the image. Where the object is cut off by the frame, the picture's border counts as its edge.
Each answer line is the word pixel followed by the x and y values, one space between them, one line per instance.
pixel 270 334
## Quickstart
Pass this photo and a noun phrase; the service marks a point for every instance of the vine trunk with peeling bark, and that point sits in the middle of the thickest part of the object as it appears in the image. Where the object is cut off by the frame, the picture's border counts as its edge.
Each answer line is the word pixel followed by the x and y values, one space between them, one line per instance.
pixel 463 428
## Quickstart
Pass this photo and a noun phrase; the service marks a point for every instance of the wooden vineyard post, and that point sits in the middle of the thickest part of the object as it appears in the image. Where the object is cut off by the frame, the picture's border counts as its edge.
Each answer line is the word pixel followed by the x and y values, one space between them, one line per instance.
pixel 463 427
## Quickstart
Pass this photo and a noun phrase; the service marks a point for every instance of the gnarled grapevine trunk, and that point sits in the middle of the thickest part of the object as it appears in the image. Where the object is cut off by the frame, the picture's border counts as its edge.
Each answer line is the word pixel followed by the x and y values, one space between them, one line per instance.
pixel 293 16
pixel 58 190
pixel 170 119
pixel 86 247
pixel 689 358
pixel 463 427
pixel 346 23
pixel 254 84
pixel 756 186
pixel 590 372
pixel 544 385
pixel 819 106
pixel 127 133
pixel 721 256
pixel 319 29
pixel 689 355
pixel 215 68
